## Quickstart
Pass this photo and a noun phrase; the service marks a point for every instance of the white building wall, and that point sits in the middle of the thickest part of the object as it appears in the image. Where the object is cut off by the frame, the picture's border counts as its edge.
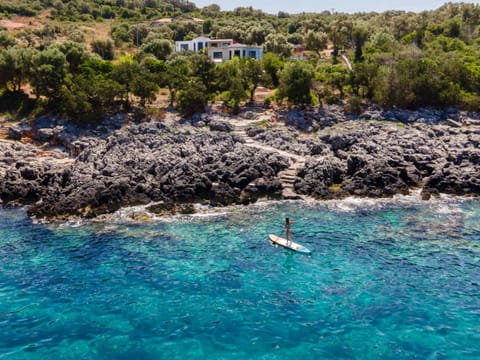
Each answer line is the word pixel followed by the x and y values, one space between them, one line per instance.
pixel 220 50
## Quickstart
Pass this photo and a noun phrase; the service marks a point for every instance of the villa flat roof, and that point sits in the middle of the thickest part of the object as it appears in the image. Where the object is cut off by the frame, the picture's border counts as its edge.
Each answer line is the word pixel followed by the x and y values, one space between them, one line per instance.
pixel 221 40
pixel 244 46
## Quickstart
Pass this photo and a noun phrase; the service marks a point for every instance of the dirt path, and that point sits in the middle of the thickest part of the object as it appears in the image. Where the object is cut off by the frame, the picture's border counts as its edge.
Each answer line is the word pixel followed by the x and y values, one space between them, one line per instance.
pixel 346 61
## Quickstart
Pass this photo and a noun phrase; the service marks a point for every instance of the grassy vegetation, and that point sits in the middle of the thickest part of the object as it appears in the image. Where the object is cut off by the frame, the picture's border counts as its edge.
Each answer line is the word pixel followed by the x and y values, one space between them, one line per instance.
pixel 335 187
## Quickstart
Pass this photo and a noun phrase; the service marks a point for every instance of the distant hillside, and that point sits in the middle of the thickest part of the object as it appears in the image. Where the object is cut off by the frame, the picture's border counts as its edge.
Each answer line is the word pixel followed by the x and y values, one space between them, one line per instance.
pixel 398 58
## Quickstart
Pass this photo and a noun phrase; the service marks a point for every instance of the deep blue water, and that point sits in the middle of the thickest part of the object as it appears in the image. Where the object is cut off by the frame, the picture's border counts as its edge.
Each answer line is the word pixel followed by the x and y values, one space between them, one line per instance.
pixel 394 280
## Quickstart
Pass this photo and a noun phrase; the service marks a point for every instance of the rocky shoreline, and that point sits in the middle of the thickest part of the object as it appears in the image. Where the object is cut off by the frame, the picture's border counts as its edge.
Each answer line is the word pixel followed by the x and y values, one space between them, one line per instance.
pixel 218 160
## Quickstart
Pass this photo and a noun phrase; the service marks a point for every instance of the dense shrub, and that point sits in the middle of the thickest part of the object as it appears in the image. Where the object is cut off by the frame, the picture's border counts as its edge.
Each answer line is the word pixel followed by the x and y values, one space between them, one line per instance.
pixel 160 48
pixel 104 48
pixel 296 82
pixel 354 105
pixel 193 98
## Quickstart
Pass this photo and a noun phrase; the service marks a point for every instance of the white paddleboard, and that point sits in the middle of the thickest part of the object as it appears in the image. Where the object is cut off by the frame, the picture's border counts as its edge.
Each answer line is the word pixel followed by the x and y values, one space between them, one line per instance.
pixel 290 245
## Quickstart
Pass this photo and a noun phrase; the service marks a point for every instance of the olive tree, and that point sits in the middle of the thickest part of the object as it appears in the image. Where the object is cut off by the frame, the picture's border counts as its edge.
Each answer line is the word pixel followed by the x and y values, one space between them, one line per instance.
pixel 278 44
pixel 316 41
pixel 16 66
pixel 104 48
pixel 296 81
pixel 49 72
pixel 160 48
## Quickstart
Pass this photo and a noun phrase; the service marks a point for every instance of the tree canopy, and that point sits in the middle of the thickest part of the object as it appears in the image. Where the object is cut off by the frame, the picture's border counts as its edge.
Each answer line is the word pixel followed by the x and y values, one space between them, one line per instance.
pixel 87 58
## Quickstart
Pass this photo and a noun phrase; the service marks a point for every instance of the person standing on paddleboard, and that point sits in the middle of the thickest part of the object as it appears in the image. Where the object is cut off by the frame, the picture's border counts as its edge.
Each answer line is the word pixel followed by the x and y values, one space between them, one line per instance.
pixel 288 231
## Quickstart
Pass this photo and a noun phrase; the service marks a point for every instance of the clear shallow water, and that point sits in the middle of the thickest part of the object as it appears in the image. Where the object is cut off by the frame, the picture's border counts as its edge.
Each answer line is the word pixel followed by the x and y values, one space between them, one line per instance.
pixel 386 280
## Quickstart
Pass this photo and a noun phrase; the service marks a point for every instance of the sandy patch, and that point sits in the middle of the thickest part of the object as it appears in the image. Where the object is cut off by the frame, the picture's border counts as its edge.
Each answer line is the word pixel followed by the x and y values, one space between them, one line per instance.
pixel 19 22
pixel 12 25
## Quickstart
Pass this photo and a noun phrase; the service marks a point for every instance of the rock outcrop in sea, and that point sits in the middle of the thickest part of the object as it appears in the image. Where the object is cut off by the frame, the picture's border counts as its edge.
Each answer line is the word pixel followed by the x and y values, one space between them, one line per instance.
pixel 219 160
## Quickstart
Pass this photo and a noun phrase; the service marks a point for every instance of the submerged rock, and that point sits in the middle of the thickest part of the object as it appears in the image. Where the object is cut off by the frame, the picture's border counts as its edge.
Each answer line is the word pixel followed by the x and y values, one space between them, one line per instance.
pixel 162 209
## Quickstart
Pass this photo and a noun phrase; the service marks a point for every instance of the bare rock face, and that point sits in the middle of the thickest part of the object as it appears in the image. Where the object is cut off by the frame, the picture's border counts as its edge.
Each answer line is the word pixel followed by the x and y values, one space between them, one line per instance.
pixel 23 172
pixel 182 163
pixel 383 159
pixel 149 162
pixel 220 126
pixel 320 177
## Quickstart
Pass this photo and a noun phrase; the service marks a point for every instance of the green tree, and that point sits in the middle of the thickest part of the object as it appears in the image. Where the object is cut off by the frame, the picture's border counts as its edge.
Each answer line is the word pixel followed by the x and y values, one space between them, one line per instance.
pixel 257 34
pixel 104 48
pixel 338 77
pixel 7 69
pixel 340 31
pixel 382 42
pixel 204 68
pixel 252 75
pixel 75 54
pixel 50 70
pixel 6 40
pixel 177 74
pixel 415 82
pixel 316 41
pixel 96 66
pixel 157 69
pixel 105 92
pixel 296 81
pixel 278 44
pixel 160 48
pixel 89 97
pixel 120 33
pixel 272 65
pixel 360 36
pixel 138 33
pixel 229 32
pixel 160 33
pixel 95 78
pixel 144 86
pixel 453 27
pixel 181 29
pixel 230 81
pixel 295 39
pixel 211 11
pixel 192 98
pixel 207 27
pixel 364 79
pixel 16 66
pixel 124 73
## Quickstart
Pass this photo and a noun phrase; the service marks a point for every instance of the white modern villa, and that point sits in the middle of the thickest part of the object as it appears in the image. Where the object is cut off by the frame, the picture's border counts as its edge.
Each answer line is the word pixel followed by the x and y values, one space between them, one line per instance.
pixel 220 50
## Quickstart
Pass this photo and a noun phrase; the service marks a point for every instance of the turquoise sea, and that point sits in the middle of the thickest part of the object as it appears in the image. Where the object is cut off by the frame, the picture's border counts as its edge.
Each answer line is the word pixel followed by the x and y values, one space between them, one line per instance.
pixel 393 279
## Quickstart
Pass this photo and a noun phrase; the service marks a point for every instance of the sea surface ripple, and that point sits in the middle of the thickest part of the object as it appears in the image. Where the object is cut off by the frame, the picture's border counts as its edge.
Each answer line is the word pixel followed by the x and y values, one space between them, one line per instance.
pixel 386 279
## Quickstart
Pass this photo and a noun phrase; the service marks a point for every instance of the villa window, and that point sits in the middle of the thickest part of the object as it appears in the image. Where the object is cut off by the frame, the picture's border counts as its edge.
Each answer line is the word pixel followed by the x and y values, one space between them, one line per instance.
pixel 217 55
